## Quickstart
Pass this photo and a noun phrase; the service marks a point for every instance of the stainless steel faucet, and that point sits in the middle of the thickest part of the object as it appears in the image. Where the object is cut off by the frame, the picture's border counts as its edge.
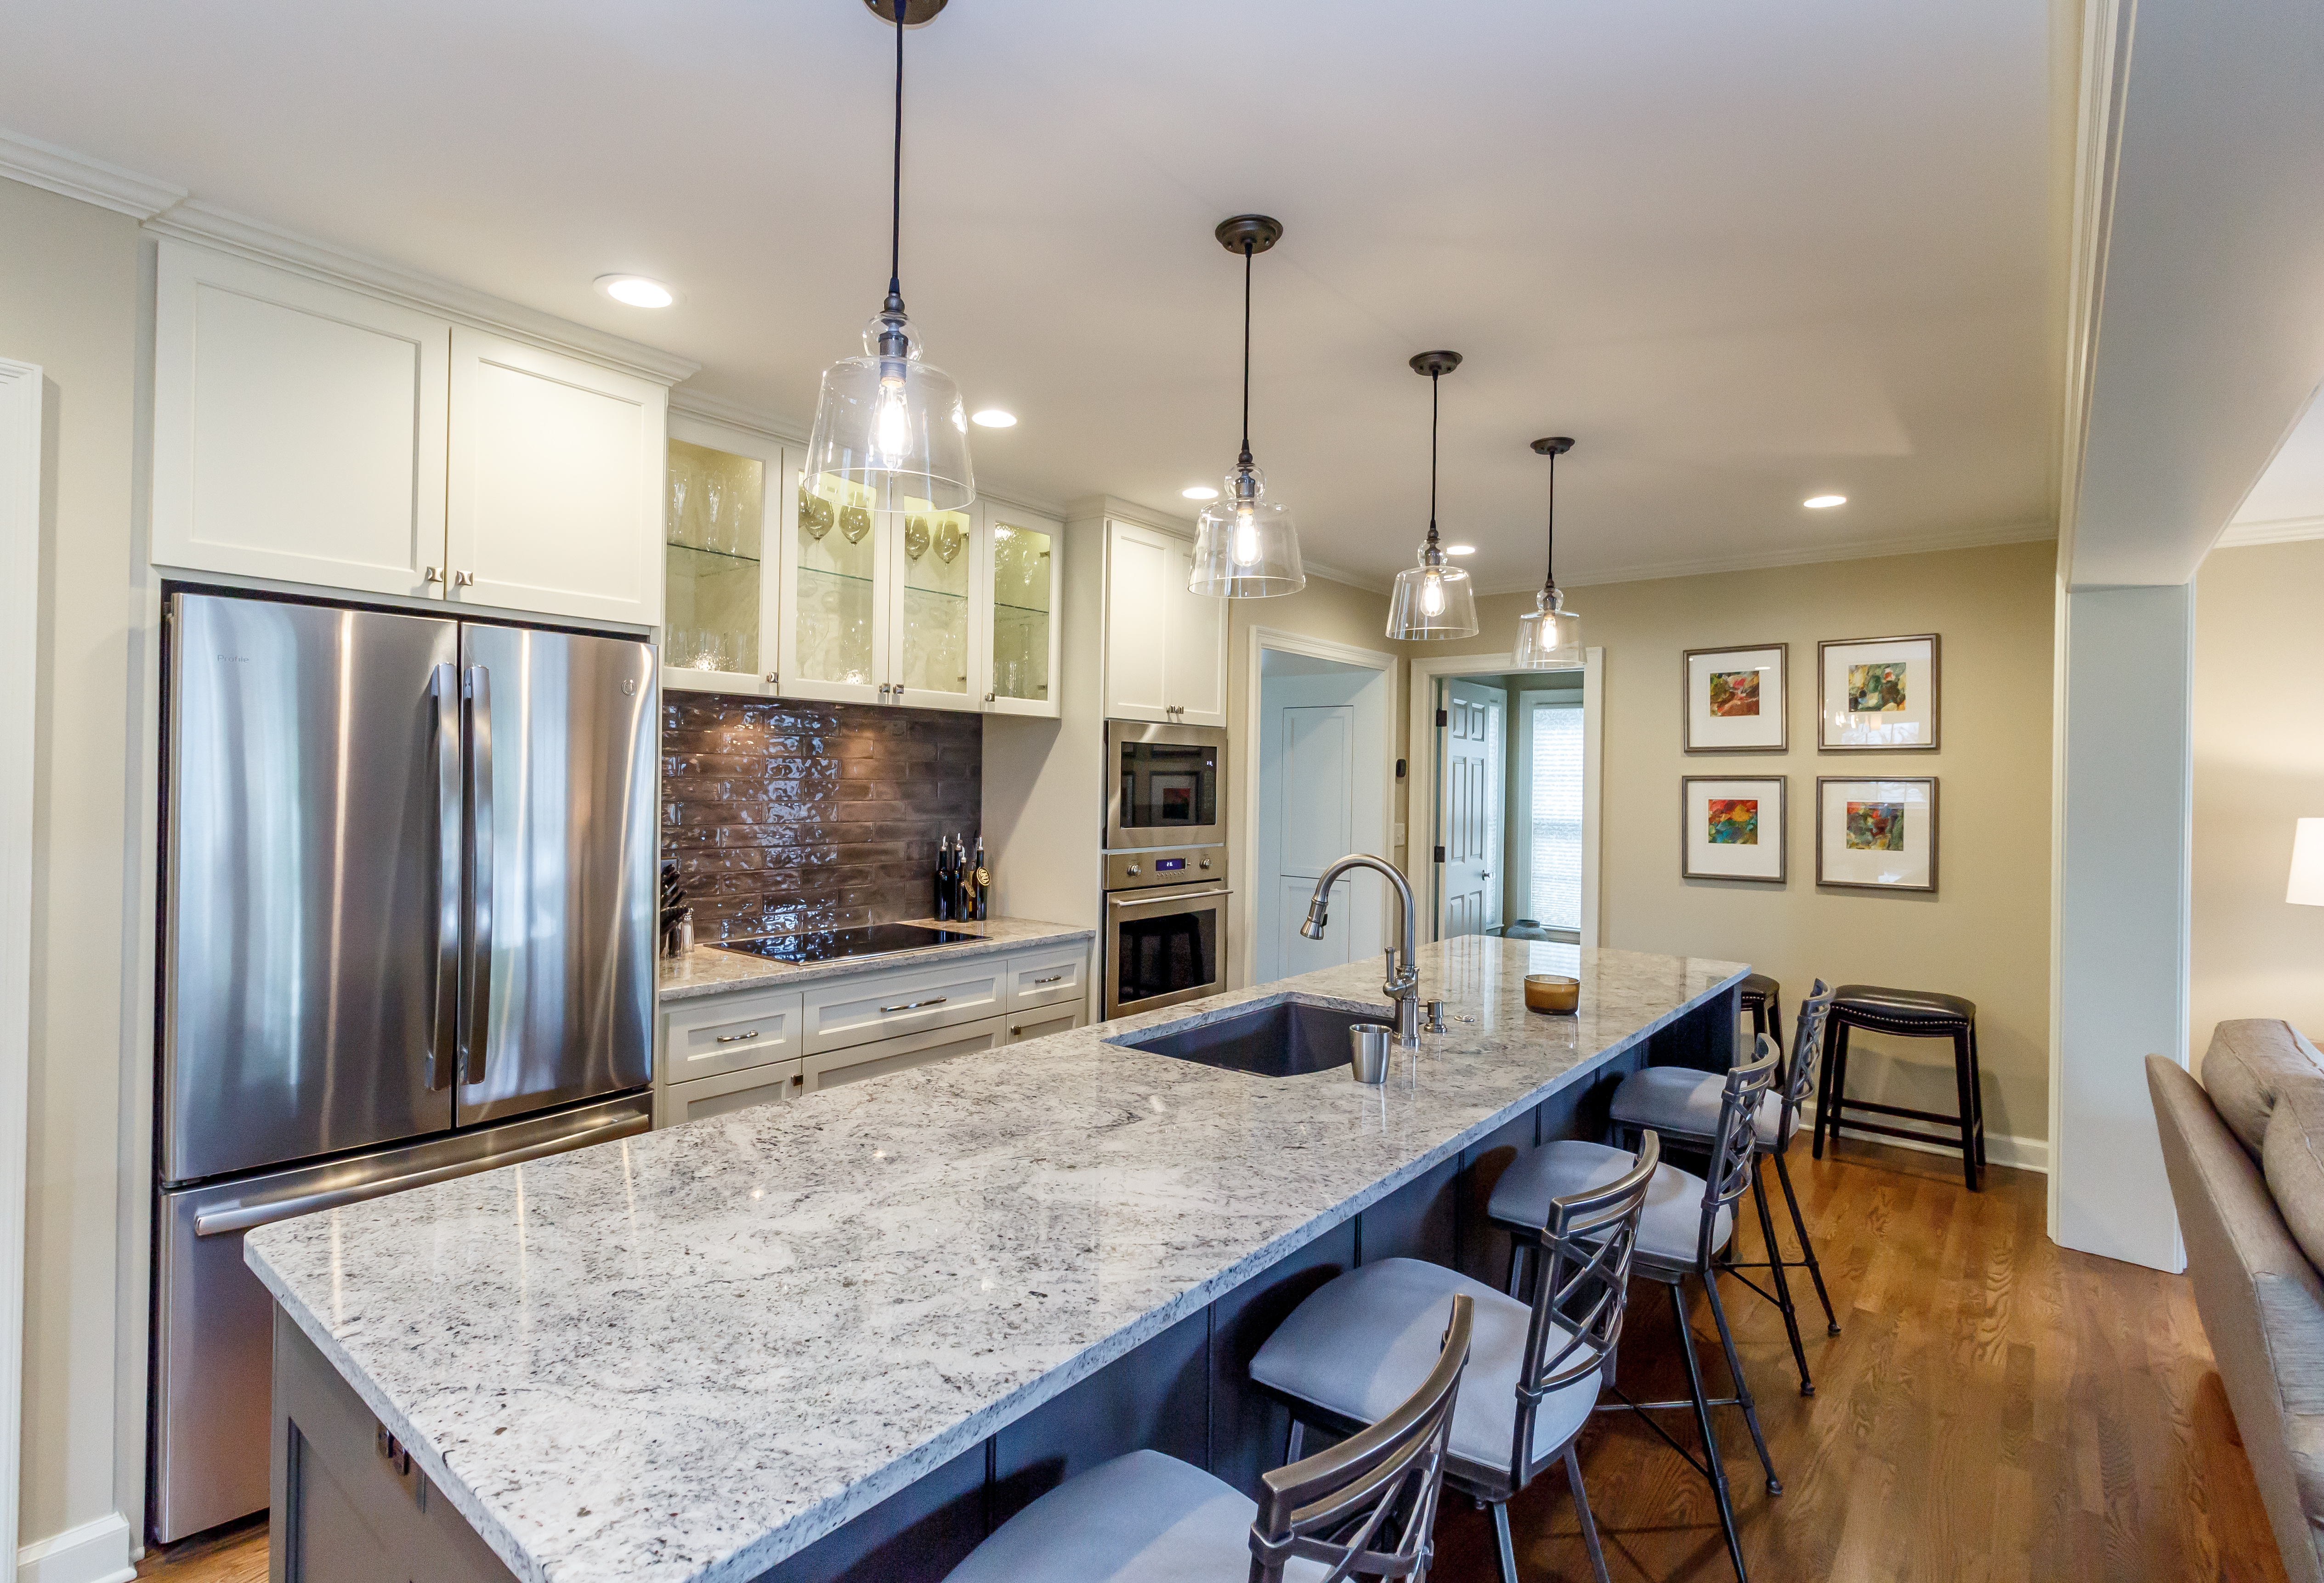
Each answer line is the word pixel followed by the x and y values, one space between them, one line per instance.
pixel 1403 985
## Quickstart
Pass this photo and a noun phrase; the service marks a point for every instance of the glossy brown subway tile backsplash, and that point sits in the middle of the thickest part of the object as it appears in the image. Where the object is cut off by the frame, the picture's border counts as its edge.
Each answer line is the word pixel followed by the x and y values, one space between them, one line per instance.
pixel 784 815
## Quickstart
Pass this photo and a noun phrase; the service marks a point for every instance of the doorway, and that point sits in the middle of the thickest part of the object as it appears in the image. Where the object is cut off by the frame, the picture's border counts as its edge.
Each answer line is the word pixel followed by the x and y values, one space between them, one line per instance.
pixel 1505 796
pixel 1319 741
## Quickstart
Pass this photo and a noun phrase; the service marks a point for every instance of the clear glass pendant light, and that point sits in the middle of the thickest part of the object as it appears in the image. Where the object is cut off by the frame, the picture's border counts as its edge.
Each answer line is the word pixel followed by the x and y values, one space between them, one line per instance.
pixel 1432 598
pixel 887 420
pixel 1245 545
pixel 1550 638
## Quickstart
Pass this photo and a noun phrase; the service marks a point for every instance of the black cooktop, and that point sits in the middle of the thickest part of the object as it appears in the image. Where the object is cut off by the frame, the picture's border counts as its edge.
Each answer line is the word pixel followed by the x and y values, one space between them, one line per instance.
pixel 830 944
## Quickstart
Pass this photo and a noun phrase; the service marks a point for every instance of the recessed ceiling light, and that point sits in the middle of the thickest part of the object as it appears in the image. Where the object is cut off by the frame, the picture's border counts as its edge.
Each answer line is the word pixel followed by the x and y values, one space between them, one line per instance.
pixel 636 290
pixel 1201 492
pixel 993 417
pixel 1817 502
pixel 1459 549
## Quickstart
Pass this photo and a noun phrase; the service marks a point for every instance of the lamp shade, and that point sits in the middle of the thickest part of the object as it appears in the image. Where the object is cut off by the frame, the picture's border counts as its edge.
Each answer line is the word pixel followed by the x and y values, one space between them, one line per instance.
pixel 1245 546
pixel 1431 600
pixel 892 423
pixel 1549 635
pixel 2307 886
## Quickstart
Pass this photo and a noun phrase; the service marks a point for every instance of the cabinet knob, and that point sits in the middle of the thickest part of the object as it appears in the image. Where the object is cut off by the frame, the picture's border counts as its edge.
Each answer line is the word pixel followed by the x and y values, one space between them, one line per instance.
pixel 883 689
pixel 464 579
pixel 773 679
pixel 988 698
pixel 434 573
pixel 899 692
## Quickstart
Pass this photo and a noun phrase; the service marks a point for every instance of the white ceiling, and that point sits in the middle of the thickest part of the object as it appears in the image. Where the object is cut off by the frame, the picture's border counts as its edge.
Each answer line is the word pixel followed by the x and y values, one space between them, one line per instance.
pixel 1743 253
pixel 2288 501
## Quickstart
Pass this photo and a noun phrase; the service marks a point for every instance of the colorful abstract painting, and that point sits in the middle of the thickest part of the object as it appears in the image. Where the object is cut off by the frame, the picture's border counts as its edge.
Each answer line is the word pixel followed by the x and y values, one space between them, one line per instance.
pixel 1875 827
pixel 1734 821
pixel 1877 688
pixel 1734 692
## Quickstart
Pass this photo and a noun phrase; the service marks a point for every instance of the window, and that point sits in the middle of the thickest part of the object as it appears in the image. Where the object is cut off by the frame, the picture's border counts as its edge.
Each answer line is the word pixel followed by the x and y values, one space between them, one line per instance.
pixel 1553 812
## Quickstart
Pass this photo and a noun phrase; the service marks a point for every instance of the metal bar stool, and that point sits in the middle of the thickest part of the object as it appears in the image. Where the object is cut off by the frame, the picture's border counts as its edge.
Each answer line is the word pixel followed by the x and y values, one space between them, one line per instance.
pixel 1912 1014
pixel 1684 1231
pixel 1536 1368
pixel 1366 1507
pixel 1682 1104
pixel 1763 998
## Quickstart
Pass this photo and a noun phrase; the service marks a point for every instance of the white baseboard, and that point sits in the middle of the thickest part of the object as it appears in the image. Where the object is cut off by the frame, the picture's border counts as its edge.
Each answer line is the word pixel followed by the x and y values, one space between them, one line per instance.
pixel 2020 1153
pixel 93 1553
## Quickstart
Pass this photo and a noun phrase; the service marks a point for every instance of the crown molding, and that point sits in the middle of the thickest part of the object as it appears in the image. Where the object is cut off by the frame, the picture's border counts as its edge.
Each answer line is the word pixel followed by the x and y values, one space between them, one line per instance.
pixel 60 171
pixel 1108 505
pixel 775 426
pixel 1860 549
pixel 209 227
pixel 2282 530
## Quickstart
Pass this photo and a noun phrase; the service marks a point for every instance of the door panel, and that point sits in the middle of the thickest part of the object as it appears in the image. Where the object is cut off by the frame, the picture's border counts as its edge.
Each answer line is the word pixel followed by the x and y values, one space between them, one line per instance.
pixel 557 980
pixel 1195 643
pixel 1136 604
pixel 301 958
pixel 1470 879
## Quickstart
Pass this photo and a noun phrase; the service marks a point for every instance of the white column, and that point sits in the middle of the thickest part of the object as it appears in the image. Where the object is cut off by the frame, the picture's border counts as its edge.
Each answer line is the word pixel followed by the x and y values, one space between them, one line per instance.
pixel 2124 808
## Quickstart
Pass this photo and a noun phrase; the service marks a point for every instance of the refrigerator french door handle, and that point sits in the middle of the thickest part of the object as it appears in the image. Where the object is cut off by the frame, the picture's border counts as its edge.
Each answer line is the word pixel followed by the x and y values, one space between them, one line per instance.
pixel 475 1010
pixel 444 993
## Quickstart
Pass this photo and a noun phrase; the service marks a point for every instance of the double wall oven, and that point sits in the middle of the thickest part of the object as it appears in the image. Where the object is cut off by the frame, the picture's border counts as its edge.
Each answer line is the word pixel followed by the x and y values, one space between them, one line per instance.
pixel 1165 865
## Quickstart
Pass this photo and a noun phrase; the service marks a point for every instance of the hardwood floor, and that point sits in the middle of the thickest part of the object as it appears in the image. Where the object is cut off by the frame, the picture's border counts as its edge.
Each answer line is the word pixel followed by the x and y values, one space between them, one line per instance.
pixel 1994 1410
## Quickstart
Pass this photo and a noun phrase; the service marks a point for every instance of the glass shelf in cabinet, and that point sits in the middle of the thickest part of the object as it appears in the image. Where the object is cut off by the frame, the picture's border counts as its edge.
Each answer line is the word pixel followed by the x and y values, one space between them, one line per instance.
pixel 715 555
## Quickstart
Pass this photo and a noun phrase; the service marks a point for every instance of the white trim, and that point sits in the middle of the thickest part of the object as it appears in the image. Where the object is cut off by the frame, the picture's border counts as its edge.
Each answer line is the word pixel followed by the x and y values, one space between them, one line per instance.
pixel 21 458
pixel 1422 810
pixel 2282 530
pixel 2019 1153
pixel 1091 506
pixel 2105 63
pixel 209 226
pixel 60 171
pixel 93 1553
pixel 1262 638
pixel 1855 550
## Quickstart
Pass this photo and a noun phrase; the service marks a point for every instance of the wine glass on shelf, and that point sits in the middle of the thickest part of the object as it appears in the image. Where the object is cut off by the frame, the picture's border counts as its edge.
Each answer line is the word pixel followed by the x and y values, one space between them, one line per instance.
pixel 681 485
pixel 716 495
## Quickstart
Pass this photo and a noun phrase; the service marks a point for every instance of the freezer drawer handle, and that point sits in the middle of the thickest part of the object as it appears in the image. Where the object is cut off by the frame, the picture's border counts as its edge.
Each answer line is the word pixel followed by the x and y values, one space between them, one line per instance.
pixel 242 1217
pixel 914 1005
pixel 737 1038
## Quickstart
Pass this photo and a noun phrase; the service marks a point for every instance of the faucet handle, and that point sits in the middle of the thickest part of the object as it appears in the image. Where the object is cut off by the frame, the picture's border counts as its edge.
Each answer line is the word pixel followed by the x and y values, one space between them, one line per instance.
pixel 1398 982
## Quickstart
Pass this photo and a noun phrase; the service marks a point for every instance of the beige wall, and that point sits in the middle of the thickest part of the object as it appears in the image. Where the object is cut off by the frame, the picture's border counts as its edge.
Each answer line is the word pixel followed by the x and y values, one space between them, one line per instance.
pixel 1985 933
pixel 68 301
pixel 2259 765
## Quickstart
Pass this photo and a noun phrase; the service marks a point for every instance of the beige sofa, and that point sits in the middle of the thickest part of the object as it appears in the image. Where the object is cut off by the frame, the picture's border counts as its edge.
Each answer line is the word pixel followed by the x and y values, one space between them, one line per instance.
pixel 2246 1152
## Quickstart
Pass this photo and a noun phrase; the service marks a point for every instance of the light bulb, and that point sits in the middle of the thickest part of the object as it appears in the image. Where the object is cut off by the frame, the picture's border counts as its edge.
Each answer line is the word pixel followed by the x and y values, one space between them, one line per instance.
pixel 893 432
pixel 1246 536
pixel 1431 593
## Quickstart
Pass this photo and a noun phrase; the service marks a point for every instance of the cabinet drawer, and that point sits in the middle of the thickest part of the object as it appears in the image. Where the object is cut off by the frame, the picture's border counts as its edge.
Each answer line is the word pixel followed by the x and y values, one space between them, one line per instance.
pixel 732 1091
pixel 1039 1024
pixel 1045 977
pixel 729 1033
pixel 880 1006
pixel 858 1062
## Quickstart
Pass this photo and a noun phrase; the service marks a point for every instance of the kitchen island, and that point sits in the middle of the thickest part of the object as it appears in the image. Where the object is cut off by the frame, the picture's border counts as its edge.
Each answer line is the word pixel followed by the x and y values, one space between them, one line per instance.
pixel 849 1334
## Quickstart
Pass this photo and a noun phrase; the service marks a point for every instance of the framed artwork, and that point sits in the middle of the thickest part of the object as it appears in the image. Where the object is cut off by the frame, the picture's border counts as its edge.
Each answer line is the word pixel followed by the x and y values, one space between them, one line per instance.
pixel 1731 827
pixel 1735 697
pixel 1876 834
pixel 1878 694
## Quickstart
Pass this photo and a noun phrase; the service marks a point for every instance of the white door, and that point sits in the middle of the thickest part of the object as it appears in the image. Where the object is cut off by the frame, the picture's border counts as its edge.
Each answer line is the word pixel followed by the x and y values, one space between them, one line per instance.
pixel 1024 557
pixel 722 520
pixel 1315 819
pixel 298 428
pixel 1194 646
pixel 558 468
pixel 832 637
pixel 1469 878
pixel 1138 604
pixel 937 622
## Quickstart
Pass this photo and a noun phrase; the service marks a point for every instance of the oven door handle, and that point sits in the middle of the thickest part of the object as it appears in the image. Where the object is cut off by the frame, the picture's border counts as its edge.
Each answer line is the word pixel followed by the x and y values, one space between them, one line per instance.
pixel 1167 899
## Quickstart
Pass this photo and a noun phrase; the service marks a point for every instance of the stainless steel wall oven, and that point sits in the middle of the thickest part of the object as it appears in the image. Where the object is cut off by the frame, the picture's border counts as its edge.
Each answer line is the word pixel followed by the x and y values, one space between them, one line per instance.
pixel 1166 927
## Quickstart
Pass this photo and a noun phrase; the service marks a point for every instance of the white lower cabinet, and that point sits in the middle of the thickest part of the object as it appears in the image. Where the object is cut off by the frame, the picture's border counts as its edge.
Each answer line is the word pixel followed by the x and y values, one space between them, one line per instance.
pixel 720 1034
pixel 849 1011
pixel 732 1091
pixel 855 1063
pixel 1040 1024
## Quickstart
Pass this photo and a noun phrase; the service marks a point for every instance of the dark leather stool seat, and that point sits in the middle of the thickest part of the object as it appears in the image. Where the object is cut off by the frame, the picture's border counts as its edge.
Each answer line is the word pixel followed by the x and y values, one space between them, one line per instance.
pixel 1912 1014
pixel 1763 998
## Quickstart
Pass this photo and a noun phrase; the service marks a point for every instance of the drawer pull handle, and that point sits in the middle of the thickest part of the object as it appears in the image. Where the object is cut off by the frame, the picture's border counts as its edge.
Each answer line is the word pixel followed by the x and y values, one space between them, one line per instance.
pixel 913 1005
pixel 737 1038
pixel 1052 979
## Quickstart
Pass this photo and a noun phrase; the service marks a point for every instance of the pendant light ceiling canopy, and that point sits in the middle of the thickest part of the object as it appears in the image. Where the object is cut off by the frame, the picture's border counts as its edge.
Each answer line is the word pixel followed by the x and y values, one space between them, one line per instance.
pixel 1245 545
pixel 1433 599
pixel 887 420
pixel 1549 637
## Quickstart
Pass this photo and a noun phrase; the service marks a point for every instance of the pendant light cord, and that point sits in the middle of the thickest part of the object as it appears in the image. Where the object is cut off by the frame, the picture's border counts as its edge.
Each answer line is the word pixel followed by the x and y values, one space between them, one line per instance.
pixel 1246 250
pixel 1549 573
pixel 1433 378
pixel 896 189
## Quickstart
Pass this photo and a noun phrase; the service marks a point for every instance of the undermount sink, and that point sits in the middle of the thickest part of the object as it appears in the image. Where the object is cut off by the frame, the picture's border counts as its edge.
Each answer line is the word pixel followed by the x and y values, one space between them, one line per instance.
pixel 1285 1039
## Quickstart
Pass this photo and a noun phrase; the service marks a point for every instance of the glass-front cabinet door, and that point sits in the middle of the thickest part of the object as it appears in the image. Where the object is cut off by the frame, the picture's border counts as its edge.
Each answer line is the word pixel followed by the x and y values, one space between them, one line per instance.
pixel 718 615
pixel 1023 562
pixel 938 559
pixel 834 619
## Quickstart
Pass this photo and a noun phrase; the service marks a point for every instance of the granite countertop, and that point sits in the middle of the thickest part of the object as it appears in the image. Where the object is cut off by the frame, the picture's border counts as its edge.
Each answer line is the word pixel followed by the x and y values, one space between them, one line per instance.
pixel 706 970
pixel 688 1355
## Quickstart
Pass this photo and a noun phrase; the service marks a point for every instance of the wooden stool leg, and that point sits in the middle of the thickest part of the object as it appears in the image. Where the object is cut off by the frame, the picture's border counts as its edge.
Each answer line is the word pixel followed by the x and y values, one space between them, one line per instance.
pixel 1832 1085
pixel 1976 1090
pixel 1967 1108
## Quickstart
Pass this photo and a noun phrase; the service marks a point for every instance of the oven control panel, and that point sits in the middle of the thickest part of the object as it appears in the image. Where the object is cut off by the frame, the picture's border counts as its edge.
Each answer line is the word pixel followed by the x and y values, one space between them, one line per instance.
pixel 1178 865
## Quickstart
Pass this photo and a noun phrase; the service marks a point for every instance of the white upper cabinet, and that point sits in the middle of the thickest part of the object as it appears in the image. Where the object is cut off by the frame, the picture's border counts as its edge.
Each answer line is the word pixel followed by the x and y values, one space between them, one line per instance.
pixel 834 615
pixel 557 470
pixel 1021 584
pixel 721 515
pixel 1166 648
pixel 300 428
pixel 940 626
pixel 307 432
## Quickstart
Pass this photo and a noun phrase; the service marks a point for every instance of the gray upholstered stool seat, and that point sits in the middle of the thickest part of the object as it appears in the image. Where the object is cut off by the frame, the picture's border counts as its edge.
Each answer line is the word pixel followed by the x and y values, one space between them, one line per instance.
pixel 1364 1340
pixel 1668 1228
pixel 1681 1102
pixel 1142 1518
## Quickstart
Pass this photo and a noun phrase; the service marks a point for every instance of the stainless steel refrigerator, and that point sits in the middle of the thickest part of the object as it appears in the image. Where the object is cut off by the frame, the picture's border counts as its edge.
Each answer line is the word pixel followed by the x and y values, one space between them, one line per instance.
pixel 409 909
